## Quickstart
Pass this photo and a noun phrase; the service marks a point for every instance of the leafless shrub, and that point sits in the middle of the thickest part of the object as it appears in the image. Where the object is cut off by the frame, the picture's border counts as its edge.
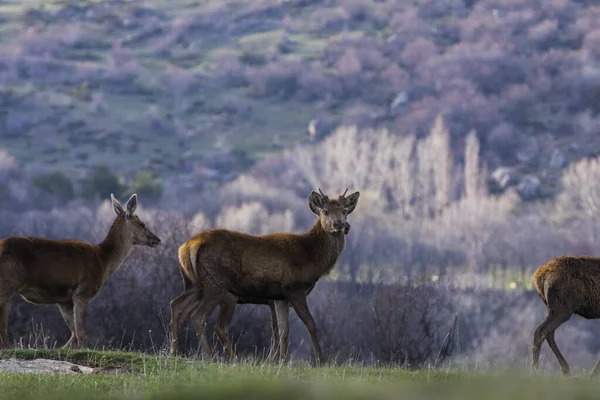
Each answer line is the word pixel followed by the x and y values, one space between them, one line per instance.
pixel 474 223
pixel 331 20
pixel 580 194
pixel 315 84
pixel 251 331
pixel 278 78
pixel 349 64
pixel 248 188
pixel 254 218
pixel 231 70
pixel 199 222
pixel 411 178
pixel 474 180
pixel 331 307
pixel 122 66
pixel 51 40
pixel 179 81
pixel 407 324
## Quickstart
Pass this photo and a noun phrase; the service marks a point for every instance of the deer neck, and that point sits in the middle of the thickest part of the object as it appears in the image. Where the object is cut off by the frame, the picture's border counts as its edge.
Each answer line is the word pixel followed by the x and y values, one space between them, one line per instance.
pixel 326 247
pixel 115 247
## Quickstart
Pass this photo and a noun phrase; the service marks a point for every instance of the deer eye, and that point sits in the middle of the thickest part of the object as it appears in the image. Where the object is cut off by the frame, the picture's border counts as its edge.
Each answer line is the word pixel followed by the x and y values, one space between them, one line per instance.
pixel 325 212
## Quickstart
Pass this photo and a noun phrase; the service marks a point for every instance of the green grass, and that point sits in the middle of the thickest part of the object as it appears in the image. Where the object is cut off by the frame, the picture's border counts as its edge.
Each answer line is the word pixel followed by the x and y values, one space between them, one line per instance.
pixel 159 377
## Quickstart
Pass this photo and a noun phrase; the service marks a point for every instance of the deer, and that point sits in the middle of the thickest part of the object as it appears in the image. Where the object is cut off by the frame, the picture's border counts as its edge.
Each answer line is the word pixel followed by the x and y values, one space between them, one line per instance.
pixel 567 285
pixel 225 266
pixel 226 311
pixel 67 272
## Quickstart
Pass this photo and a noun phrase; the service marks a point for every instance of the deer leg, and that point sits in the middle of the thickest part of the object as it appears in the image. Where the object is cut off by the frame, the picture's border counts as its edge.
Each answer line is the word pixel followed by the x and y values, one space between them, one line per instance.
pixel 79 308
pixel 66 309
pixel 553 320
pixel 211 298
pixel 564 366
pixel 181 307
pixel 274 333
pixel 226 309
pixel 201 333
pixel 282 311
pixel 301 308
pixel 4 314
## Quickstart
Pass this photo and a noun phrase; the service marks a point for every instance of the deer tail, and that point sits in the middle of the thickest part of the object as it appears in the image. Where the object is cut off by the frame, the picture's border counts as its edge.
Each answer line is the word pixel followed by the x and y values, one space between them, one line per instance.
pixel 541 286
pixel 187 261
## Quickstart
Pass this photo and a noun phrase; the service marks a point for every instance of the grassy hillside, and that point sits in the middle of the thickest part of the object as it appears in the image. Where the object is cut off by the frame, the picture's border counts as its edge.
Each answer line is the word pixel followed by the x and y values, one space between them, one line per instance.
pixel 95 82
pixel 173 85
pixel 160 377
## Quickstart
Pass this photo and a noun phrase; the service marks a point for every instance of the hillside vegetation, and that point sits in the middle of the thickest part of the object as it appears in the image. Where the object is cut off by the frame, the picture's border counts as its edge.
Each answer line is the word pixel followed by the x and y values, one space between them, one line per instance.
pixel 168 86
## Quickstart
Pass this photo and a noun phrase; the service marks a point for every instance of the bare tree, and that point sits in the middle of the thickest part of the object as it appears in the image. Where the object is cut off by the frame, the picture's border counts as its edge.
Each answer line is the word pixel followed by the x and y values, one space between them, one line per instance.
pixel 474 173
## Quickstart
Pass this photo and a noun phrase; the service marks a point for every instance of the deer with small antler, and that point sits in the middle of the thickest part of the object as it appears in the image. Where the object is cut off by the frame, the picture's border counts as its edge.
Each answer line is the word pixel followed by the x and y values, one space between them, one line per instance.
pixel 66 272
pixel 224 267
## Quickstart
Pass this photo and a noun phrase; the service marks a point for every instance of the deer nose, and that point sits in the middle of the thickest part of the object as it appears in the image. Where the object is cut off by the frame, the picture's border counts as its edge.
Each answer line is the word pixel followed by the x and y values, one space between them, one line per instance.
pixel 339 225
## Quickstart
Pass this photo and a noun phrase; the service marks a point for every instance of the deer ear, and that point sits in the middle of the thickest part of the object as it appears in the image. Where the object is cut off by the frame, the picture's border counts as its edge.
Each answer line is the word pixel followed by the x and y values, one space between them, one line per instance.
pixel 315 202
pixel 131 204
pixel 350 202
pixel 116 205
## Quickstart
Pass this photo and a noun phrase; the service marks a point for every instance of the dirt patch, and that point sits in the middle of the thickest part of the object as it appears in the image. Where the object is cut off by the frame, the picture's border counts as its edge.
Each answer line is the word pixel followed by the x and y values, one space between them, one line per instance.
pixel 42 365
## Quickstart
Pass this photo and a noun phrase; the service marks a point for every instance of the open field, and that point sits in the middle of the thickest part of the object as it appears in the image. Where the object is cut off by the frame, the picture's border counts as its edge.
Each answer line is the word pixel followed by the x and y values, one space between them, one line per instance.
pixel 160 377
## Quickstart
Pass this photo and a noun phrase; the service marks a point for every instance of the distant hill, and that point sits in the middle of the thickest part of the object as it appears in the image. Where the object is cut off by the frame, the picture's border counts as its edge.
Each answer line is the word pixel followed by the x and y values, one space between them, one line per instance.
pixel 172 85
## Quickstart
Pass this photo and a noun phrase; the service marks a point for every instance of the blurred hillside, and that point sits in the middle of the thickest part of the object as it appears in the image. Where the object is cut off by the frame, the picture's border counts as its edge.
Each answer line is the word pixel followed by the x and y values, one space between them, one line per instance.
pixel 206 88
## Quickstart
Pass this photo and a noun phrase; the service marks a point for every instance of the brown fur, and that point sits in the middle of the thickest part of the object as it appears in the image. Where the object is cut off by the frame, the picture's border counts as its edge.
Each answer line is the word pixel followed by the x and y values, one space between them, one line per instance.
pixel 221 266
pixel 68 273
pixel 567 285
pixel 226 307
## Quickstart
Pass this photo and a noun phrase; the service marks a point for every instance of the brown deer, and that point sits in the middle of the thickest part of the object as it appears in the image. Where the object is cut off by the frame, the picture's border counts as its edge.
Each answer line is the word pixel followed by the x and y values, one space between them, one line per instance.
pixel 567 285
pixel 68 273
pixel 227 308
pixel 220 266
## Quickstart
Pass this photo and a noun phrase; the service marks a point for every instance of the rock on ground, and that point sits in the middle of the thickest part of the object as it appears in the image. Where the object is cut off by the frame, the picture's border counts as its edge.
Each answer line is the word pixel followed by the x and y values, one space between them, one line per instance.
pixel 42 365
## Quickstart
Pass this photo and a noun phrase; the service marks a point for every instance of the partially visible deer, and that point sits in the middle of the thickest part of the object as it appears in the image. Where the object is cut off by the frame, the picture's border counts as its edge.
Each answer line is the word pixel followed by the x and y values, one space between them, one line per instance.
pixel 567 285
pixel 227 308
pixel 68 273
pixel 220 266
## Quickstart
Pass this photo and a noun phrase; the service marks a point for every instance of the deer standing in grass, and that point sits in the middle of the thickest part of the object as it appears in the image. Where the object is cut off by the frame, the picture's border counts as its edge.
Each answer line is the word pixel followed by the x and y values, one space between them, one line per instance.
pixel 220 266
pixel 227 308
pixel 68 273
pixel 567 285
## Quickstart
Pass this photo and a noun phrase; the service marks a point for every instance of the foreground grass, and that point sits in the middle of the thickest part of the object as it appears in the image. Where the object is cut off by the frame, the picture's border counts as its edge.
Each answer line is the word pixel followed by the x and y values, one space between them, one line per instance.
pixel 159 377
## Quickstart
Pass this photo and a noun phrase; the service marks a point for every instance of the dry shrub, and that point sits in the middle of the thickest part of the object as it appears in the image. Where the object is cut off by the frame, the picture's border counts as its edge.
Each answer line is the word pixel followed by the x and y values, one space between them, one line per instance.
pixel 251 332
pixel 278 78
pixel 580 193
pixel 338 336
pixel 407 324
pixel 254 218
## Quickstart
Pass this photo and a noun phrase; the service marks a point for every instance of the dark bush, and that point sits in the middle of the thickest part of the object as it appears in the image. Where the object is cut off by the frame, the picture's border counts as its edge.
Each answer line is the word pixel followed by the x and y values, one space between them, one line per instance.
pixel 100 184
pixel 56 184
pixel 146 185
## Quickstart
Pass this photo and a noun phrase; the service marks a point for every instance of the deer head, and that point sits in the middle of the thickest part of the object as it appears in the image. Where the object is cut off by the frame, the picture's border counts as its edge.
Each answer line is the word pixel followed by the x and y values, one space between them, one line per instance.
pixel 332 213
pixel 132 226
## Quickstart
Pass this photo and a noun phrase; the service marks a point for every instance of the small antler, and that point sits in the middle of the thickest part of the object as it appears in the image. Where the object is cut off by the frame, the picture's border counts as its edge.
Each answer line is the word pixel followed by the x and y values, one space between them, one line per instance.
pixel 344 194
pixel 322 194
